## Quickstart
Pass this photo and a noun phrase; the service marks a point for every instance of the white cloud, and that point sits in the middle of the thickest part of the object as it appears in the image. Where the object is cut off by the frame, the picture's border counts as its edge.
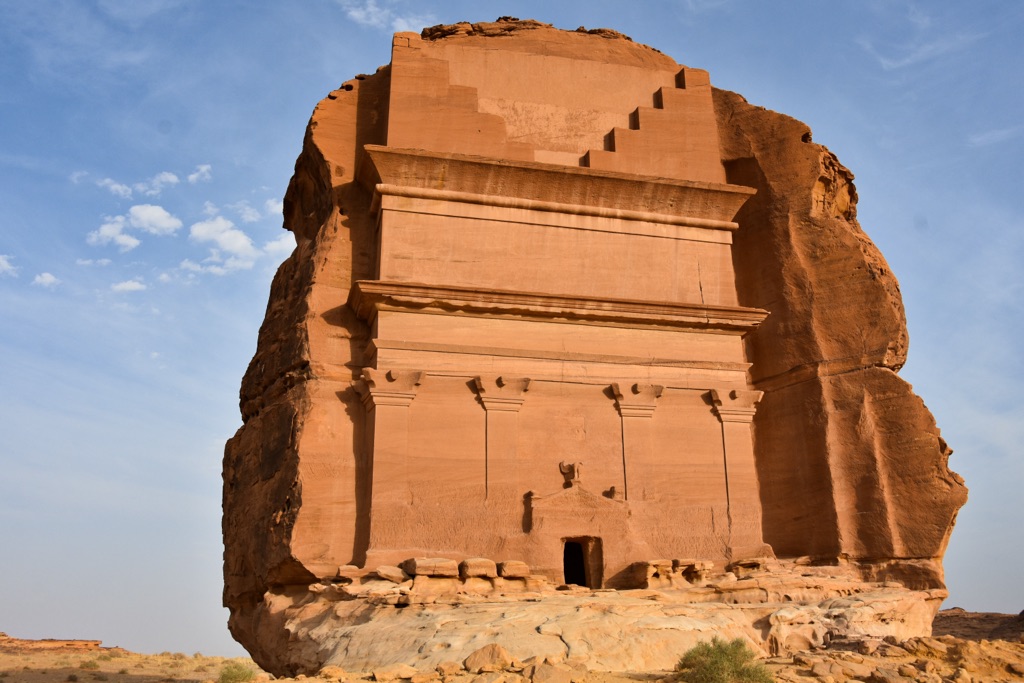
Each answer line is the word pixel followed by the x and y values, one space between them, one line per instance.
pixel 228 238
pixel 133 285
pixel 274 206
pixel 113 231
pixel 210 209
pixel 281 247
pixel 6 267
pixel 92 262
pixel 150 218
pixel 155 185
pixel 77 176
pixel 369 13
pixel 116 188
pixel 202 173
pixel 153 219
pixel 46 280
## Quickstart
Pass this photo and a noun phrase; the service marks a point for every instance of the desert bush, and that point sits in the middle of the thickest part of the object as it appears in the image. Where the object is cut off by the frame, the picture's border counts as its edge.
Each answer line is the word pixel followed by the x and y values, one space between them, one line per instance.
pixel 89 664
pixel 234 672
pixel 72 678
pixel 122 672
pixel 105 657
pixel 722 662
pixel 100 677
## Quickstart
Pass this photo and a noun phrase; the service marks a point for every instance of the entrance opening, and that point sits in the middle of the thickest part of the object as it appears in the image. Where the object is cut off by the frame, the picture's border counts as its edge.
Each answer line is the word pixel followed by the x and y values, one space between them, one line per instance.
pixel 574 566
pixel 582 563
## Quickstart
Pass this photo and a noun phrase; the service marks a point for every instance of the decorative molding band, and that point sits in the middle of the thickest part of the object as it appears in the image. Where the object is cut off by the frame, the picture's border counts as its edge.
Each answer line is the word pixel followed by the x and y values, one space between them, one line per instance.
pixel 369 296
pixel 550 187
pixel 553 207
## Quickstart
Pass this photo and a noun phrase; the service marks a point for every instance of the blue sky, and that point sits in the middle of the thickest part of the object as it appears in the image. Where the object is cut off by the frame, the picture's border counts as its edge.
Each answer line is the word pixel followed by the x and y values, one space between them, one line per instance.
pixel 145 149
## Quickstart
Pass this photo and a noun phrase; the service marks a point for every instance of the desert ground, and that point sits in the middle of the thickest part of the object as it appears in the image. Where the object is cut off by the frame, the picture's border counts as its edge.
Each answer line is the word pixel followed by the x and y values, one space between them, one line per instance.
pixel 964 647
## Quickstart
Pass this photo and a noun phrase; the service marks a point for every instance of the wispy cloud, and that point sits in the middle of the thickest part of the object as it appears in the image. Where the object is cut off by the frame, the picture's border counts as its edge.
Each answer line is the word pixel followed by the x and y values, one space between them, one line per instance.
pixel 246 213
pixel 7 269
pixel 155 185
pixel 917 51
pixel 370 13
pixel 117 189
pixel 133 285
pixel 78 176
pixel 93 262
pixel 274 207
pixel 202 173
pixel 923 39
pixel 993 137
pixel 46 280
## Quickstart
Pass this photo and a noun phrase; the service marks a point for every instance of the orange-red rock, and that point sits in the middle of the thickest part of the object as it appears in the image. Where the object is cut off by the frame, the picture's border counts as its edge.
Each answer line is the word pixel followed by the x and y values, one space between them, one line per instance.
pixel 559 305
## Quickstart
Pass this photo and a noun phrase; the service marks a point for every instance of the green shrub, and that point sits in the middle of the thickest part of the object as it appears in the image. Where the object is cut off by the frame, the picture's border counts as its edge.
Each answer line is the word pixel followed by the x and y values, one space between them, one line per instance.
pixel 89 664
pixel 72 678
pixel 721 662
pixel 234 672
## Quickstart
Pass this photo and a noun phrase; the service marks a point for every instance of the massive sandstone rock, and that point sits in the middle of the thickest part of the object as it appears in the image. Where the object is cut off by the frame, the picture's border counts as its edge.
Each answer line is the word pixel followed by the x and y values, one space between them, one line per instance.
pixel 559 308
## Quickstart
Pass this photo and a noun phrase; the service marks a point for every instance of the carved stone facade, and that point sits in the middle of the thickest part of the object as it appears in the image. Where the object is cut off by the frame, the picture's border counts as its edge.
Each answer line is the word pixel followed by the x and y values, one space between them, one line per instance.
pixel 561 312
pixel 533 331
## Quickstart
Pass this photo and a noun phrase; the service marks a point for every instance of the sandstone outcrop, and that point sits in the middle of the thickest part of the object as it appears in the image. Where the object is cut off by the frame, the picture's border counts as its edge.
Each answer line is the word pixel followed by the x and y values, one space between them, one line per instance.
pixel 560 309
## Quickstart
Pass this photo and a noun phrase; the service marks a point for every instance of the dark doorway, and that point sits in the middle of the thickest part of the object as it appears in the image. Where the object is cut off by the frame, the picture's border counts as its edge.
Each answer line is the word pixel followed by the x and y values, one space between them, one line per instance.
pixel 572 561
pixel 582 563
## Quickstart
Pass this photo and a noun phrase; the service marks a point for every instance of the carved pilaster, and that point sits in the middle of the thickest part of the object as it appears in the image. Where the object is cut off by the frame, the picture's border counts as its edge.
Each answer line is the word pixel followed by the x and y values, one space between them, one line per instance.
pixel 735 409
pixel 387 396
pixel 636 403
pixel 502 397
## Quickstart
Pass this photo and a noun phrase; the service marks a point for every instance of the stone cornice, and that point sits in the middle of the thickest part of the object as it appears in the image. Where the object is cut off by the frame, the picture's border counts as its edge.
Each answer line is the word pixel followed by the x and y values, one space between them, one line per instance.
pixel 551 187
pixel 369 296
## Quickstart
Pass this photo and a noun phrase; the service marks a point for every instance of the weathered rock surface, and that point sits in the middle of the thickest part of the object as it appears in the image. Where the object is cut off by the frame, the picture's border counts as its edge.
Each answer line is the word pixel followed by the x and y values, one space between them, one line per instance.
pixel 552 289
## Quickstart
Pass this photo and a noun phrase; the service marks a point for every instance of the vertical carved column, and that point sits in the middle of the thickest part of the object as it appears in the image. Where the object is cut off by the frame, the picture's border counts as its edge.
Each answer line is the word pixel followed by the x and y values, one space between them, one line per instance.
pixel 502 398
pixel 386 397
pixel 636 404
pixel 735 409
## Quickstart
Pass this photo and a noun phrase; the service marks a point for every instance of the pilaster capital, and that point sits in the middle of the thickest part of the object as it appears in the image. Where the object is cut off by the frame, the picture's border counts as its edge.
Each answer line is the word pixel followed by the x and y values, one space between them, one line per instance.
pixel 500 392
pixel 735 405
pixel 637 400
pixel 388 388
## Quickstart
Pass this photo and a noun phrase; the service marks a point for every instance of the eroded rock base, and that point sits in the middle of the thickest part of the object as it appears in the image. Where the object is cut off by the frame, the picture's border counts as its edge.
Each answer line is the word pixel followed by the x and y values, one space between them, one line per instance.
pixel 367 622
